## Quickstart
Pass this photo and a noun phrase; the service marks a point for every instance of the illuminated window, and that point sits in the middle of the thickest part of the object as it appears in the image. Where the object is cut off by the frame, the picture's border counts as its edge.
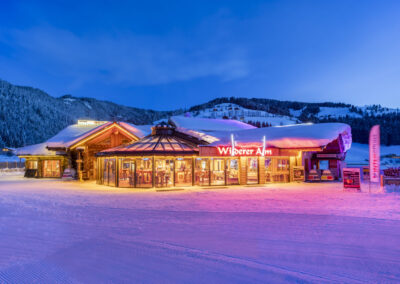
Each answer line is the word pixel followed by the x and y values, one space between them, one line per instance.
pixel 164 172
pixel 183 171
pixel 252 170
pixel 126 173
pixel 144 172
pixel 202 171
pixel 232 171
pixel 51 168
pixel 109 172
pixel 217 171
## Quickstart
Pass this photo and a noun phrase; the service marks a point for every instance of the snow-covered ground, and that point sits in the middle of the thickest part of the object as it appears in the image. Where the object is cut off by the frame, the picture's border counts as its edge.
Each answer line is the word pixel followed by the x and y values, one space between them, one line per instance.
pixel 359 155
pixel 70 232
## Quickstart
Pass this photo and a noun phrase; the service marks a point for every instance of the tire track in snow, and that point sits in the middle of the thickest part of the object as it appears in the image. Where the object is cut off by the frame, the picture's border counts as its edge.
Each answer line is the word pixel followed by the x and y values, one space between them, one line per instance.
pixel 217 257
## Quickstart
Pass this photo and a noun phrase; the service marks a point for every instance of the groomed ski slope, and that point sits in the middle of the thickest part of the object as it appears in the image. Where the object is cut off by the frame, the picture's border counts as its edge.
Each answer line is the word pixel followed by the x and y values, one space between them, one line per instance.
pixel 68 232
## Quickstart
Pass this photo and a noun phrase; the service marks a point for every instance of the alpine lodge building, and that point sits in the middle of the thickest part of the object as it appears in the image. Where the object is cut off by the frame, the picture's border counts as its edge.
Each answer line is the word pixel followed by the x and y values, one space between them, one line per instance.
pixel 189 151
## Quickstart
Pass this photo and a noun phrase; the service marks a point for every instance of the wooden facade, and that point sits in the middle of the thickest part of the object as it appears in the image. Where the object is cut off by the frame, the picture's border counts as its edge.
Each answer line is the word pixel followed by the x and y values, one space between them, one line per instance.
pixel 45 166
pixel 79 155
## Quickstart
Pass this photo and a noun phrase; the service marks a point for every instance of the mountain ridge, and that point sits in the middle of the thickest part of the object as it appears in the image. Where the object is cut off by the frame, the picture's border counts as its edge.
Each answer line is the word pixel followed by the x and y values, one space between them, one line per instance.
pixel 29 115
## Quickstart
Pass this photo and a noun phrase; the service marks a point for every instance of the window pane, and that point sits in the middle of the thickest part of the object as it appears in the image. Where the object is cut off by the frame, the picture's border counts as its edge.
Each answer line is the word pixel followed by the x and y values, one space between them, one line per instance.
pixel 51 168
pixel 202 171
pixel 111 172
pixel 183 172
pixel 232 171
pixel 126 173
pixel 268 169
pixel 252 170
pixel 144 172
pixel 164 170
pixel 217 171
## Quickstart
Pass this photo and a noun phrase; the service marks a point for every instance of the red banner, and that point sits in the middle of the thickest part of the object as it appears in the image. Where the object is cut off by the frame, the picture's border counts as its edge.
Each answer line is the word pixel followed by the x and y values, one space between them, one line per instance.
pixel 241 151
pixel 374 154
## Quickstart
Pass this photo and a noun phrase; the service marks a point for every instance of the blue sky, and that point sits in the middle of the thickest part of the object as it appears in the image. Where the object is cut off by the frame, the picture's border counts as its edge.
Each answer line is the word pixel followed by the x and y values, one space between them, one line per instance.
pixel 172 54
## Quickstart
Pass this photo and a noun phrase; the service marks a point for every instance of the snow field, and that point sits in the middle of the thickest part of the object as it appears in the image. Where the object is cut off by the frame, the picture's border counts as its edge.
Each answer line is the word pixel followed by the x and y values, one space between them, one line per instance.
pixel 71 232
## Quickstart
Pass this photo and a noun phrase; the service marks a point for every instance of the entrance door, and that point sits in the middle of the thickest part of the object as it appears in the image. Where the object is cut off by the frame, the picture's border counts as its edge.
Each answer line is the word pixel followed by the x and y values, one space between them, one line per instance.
pixel 164 172
pixel 183 172
pixel 217 171
pixel 201 171
pixel 252 170
pixel 232 171
pixel 109 172
pixel 126 173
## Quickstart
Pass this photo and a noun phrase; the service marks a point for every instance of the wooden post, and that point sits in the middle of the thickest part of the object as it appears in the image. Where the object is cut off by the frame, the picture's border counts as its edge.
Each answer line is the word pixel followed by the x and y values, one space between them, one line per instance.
pixel 261 169
pixel 243 170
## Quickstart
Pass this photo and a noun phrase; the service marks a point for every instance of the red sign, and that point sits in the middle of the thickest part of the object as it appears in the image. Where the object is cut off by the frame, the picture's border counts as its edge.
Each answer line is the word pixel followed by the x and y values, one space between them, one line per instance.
pixel 243 151
pixel 351 178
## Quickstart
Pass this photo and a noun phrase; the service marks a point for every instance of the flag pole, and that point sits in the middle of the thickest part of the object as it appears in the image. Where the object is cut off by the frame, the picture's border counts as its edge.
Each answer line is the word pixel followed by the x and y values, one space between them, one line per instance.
pixel 233 145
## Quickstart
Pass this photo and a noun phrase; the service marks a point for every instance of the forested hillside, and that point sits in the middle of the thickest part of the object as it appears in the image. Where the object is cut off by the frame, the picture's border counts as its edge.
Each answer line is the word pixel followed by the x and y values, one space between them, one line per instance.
pixel 29 115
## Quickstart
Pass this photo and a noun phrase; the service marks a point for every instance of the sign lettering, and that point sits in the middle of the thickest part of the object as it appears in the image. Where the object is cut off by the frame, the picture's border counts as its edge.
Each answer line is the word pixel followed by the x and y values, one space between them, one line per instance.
pixel 241 151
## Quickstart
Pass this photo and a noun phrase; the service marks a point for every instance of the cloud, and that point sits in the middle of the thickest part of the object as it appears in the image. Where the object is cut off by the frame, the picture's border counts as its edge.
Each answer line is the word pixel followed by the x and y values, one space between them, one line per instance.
pixel 127 58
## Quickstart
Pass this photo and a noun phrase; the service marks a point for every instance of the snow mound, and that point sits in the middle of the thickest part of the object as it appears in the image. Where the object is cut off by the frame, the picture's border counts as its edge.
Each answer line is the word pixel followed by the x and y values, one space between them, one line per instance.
pixel 209 125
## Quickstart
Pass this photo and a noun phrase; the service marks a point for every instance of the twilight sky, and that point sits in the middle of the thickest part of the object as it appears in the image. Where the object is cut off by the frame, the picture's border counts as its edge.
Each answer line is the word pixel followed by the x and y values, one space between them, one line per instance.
pixel 170 54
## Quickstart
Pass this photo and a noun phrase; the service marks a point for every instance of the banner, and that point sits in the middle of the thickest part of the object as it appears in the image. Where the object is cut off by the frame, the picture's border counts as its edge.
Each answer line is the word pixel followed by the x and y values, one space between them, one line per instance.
pixel 374 154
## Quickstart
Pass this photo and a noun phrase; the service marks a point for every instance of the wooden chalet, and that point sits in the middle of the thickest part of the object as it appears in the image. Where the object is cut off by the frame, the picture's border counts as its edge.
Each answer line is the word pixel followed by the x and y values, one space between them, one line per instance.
pixel 75 148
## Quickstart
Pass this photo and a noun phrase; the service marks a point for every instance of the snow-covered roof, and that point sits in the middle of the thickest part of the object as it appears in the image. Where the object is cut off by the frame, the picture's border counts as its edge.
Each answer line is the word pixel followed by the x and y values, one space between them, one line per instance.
pixel 208 124
pixel 76 132
pixel 35 150
pixel 290 136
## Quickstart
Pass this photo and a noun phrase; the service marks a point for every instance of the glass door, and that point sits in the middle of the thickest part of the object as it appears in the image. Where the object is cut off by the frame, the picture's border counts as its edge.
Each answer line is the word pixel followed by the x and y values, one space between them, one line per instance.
pixel 283 170
pixel 183 172
pixel 164 172
pixel 201 171
pixel 268 165
pixel 252 170
pixel 232 171
pixel 111 172
pixel 217 171
pixel 126 173
pixel 51 168
pixel 144 172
